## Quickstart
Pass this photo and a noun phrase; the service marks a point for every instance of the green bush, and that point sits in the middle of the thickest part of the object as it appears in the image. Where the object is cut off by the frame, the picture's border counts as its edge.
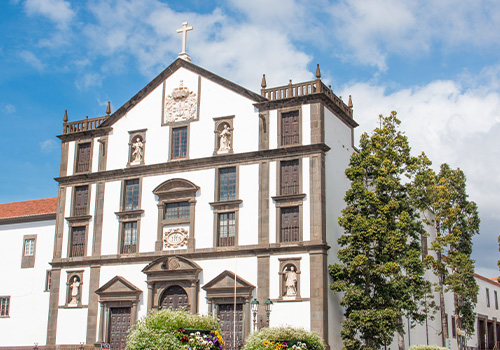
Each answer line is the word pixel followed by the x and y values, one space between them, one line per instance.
pixel 259 340
pixel 427 347
pixel 158 329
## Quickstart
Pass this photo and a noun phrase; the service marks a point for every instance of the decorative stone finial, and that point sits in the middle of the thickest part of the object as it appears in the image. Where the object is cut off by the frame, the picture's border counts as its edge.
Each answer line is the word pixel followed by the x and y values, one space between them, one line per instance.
pixel 108 109
pixel 349 104
pixel 290 82
pixel 264 83
pixel 318 73
pixel 65 118
pixel 184 31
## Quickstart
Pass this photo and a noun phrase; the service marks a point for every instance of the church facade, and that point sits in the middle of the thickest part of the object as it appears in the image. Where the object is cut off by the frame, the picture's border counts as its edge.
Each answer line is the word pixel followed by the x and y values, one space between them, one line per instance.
pixel 197 194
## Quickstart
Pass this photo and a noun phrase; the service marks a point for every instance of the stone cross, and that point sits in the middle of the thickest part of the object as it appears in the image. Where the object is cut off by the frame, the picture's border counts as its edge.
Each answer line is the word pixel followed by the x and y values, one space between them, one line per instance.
pixel 184 31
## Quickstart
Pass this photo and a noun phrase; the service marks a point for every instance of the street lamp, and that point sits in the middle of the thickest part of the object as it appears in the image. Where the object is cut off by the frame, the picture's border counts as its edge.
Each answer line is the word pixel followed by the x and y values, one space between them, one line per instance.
pixel 254 306
pixel 269 306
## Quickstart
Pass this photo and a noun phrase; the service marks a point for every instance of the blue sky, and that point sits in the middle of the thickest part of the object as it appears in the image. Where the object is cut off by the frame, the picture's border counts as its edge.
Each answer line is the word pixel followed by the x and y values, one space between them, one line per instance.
pixel 436 63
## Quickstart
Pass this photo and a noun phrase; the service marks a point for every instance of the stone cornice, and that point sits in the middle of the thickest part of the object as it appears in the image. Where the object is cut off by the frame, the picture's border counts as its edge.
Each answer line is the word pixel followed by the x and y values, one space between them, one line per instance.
pixel 195 164
pixel 28 218
pixel 199 254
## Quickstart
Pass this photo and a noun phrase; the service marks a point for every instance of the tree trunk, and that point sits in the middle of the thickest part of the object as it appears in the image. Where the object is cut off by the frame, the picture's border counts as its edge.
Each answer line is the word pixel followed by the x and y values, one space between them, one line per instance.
pixel 444 324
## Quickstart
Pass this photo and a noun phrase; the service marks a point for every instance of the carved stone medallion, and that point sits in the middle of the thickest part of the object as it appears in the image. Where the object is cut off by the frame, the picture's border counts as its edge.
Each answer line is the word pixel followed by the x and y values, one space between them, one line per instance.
pixel 175 238
pixel 180 105
pixel 173 263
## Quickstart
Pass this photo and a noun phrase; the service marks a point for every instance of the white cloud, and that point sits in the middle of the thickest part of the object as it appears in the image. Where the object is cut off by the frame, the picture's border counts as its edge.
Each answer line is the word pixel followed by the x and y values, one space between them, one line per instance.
pixel 8 108
pixel 58 11
pixel 48 146
pixel 89 80
pixel 30 58
pixel 371 30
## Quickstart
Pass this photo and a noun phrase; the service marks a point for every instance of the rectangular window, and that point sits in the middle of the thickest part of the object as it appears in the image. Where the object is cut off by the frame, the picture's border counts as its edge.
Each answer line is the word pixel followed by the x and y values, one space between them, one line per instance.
pixel 29 247
pixel 176 210
pixel 77 241
pixel 226 229
pixel 129 239
pixel 289 230
pixel 81 200
pixel 131 200
pixel 48 280
pixel 487 297
pixel 290 128
pixel 83 158
pixel 4 306
pixel 453 327
pixel 227 184
pixel 289 177
pixel 496 299
pixel 179 143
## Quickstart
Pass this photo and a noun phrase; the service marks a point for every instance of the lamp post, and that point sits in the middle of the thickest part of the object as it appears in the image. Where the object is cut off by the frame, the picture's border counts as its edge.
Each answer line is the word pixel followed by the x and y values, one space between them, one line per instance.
pixel 269 306
pixel 254 306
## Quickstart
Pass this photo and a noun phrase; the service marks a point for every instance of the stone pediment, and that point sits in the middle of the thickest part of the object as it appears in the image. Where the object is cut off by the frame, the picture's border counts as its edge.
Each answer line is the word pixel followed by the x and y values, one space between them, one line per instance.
pixel 174 186
pixel 172 265
pixel 118 287
pixel 225 281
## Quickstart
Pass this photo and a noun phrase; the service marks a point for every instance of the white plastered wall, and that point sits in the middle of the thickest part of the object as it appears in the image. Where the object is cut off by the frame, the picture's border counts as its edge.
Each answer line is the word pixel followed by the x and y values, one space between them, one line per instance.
pixel 29 302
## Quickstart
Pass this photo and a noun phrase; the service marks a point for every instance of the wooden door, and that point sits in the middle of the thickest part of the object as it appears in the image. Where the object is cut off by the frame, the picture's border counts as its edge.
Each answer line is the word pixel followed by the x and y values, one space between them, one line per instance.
pixel 119 324
pixel 290 224
pixel 77 241
pixel 289 177
pixel 175 298
pixel 290 128
pixel 229 328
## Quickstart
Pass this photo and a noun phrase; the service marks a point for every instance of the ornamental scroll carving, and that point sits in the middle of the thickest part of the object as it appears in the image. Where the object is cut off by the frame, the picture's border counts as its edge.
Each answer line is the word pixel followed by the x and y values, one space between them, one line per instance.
pixel 180 105
pixel 175 238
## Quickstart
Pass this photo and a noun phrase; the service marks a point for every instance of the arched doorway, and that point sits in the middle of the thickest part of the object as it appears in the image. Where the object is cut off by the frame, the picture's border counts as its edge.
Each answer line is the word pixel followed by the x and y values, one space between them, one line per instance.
pixel 175 298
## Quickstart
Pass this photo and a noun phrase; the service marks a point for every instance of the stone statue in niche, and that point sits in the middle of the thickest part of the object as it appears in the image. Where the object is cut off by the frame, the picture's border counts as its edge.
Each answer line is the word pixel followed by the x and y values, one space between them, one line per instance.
pixel 180 105
pixel 224 139
pixel 137 151
pixel 290 277
pixel 75 292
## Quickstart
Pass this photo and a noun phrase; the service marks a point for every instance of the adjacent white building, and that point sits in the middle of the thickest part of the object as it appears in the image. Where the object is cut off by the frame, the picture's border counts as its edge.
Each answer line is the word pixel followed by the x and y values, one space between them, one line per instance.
pixel 196 193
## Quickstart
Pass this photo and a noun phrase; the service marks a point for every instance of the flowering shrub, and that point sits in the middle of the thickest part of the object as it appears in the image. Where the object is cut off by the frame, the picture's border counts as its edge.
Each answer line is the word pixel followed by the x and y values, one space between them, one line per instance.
pixel 280 338
pixel 160 330
pixel 426 347
pixel 200 341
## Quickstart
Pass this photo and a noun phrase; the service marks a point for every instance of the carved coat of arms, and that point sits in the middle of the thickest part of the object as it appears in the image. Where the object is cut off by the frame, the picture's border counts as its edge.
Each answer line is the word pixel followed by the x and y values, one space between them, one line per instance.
pixel 175 238
pixel 180 105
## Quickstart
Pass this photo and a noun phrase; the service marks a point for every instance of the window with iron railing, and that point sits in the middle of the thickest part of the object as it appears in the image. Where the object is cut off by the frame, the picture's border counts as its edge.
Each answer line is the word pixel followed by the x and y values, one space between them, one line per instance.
pixel 129 239
pixel 289 177
pixel 226 229
pixel 80 203
pixel 77 241
pixel 290 131
pixel 83 158
pixel 289 225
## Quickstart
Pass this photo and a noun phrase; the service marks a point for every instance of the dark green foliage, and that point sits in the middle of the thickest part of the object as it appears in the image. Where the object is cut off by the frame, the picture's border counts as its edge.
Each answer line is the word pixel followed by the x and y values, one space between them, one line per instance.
pixel 455 220
pixel 380 273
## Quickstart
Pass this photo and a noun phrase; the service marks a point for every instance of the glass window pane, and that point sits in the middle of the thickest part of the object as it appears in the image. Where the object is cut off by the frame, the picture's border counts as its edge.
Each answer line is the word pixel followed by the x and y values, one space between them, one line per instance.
pixel 29 247
pixel 179 143
pixel 227 184
pixel 132 194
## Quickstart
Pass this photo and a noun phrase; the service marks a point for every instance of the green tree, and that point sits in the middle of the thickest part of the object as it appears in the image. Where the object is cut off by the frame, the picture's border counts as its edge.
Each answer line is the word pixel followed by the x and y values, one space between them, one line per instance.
pixel 455 220
pixel 380 269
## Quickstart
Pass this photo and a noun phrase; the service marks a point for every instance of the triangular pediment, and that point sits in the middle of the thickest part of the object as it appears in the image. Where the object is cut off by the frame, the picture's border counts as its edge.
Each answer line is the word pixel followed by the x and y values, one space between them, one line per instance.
pixel 225 281
pixel 169 71
pixel 118 285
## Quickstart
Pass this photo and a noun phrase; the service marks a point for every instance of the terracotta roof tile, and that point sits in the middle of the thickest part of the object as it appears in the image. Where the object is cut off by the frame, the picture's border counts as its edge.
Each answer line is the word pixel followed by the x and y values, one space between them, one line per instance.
pixel 28 208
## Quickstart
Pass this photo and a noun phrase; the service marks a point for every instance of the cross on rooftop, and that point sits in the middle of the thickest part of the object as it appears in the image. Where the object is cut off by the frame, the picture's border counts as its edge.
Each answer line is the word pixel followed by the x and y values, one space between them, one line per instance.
pixel 184 31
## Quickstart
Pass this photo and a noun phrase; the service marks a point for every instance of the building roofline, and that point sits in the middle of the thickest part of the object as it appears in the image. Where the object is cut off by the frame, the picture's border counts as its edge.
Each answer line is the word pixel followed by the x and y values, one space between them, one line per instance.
pixel 179 63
